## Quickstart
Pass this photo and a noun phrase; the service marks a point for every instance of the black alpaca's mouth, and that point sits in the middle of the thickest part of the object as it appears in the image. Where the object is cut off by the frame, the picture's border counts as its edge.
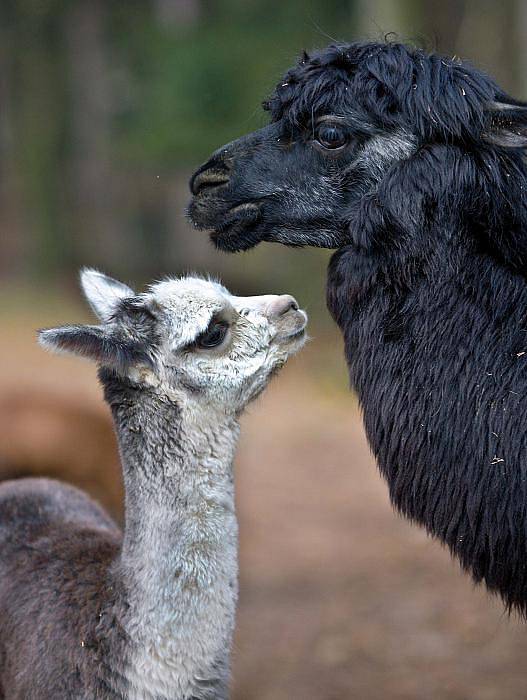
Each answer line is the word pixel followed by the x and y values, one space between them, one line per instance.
pixel 239 220
pixel 232 230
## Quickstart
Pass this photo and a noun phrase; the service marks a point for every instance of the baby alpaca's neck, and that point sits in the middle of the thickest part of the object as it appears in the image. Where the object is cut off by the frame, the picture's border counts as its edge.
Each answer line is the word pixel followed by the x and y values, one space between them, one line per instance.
pixel 179 556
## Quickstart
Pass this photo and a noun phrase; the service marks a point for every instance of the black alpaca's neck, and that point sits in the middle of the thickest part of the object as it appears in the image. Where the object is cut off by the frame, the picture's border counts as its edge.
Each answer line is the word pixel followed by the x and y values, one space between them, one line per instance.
pixel 179 555
pixel 439 363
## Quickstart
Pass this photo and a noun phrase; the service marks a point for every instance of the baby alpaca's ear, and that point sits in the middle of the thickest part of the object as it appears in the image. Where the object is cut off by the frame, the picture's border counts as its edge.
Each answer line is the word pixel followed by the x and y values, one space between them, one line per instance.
pixel 103 293
pixel 96 343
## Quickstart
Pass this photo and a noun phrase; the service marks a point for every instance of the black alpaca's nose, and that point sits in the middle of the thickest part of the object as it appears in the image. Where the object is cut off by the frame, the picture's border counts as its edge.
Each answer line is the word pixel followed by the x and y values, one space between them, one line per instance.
pixel 214 173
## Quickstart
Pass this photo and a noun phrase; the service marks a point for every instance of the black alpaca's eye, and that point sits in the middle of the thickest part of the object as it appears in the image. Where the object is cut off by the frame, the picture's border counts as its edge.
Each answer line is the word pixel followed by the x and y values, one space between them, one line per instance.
pixel 331 136
pixel 213 336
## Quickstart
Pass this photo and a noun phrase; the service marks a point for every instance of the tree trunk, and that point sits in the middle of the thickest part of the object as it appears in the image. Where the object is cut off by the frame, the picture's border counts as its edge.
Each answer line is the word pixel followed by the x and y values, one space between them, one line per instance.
pixel 94 182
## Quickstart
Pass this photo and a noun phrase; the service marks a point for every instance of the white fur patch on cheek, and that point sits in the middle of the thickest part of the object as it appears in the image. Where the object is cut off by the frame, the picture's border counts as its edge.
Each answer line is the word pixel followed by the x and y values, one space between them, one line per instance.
pixel 381 151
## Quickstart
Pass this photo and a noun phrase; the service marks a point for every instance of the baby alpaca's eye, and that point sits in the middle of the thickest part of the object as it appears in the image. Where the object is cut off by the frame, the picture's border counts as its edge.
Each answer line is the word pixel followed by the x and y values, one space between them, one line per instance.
pixel 331 136
pixel 213 336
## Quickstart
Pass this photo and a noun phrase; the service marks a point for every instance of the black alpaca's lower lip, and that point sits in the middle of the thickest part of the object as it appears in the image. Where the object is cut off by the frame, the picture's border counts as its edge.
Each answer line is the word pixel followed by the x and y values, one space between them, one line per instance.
pixel 237 219
pixel 231 229
pixel 238 229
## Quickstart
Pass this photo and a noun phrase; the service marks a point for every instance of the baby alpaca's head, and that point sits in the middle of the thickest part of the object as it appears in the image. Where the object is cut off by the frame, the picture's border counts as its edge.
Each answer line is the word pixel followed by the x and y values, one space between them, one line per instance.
pixel 186 336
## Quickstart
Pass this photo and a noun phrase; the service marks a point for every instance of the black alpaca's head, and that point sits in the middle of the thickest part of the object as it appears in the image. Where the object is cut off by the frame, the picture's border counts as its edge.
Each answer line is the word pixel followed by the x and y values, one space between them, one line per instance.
pixel 344 122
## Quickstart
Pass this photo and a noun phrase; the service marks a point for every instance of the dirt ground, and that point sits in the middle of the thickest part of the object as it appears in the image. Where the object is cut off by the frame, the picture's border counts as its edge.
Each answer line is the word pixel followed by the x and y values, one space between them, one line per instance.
pixel 340 598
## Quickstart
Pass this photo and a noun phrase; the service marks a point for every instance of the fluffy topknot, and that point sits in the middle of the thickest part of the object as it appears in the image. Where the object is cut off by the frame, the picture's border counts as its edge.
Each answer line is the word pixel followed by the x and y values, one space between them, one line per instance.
pixel 389 86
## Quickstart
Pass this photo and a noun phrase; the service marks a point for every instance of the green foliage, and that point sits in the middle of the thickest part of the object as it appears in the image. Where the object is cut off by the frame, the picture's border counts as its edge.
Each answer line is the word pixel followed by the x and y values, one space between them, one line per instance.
pixel 161 94
pixel 193 88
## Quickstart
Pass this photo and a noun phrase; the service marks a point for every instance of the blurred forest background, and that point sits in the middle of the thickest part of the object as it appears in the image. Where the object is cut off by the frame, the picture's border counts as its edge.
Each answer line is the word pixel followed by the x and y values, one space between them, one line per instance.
pixel 106 107
pixel 105 110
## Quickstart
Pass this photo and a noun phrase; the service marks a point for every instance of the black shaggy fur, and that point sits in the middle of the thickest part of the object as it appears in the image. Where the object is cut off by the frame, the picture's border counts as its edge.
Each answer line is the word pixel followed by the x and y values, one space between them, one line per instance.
pixel 429 284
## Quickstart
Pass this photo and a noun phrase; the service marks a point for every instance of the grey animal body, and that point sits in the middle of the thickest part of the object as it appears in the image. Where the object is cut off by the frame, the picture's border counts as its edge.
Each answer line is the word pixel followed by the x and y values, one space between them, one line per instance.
pixel 89 612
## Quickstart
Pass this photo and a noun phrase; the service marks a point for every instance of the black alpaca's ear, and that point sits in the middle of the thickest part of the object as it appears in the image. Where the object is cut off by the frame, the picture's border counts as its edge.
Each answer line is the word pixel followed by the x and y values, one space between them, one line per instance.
pixel 95 343
pixel 507 125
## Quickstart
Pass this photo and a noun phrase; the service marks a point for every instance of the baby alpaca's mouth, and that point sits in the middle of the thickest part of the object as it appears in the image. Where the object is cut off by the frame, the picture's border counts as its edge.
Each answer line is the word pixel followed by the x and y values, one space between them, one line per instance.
pixel 298 334
pixel 295 333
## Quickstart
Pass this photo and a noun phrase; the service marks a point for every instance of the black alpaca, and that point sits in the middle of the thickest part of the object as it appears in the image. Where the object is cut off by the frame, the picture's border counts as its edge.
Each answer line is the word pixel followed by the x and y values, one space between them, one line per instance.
pixel 413 166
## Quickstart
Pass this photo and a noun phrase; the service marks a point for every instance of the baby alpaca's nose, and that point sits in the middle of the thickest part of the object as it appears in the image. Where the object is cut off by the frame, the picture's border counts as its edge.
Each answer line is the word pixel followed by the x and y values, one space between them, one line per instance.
pixel 281 305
